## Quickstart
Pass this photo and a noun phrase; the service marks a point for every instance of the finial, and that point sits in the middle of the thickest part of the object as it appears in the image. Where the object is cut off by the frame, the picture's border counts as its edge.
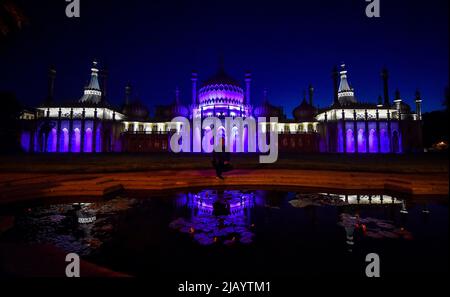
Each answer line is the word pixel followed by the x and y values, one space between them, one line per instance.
pixel 221 62
pixel 397 94
pixel 127 93
pixel 311 93
pixel 177 95
pixel 266 95
pixel 418 97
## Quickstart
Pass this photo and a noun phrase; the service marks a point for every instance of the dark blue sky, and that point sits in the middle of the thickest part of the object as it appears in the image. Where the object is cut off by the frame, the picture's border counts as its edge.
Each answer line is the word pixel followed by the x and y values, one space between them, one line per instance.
pixel 286 45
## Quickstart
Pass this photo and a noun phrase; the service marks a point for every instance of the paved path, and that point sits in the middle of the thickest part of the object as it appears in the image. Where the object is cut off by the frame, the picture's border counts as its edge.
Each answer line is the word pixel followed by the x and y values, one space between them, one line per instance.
pixel 15 187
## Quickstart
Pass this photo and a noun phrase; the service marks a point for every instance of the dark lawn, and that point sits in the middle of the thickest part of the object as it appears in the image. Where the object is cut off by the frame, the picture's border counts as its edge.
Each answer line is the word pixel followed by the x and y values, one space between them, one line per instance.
pixel 79 163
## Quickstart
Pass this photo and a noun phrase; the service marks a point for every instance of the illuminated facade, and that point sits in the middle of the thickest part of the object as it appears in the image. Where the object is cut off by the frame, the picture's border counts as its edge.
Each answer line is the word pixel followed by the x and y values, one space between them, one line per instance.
pixel 347 126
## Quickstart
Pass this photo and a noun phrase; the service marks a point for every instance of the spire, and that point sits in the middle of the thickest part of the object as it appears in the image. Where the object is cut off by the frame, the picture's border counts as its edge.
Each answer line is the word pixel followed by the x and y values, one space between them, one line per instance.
pixel 343 85
pixel 93 84
pixel 304 96
pixel 417 96
pixel 335 77
pixel 128 90
pixel 265 95
pixel 380 101
pixel 397 95
pixel 194 78
pixel 248 80
pixel 177 95
pixel 385 78
pixel 221 63
pixel 92 92
pixel 51 84
pixel 397 100
pixel 311 93
pixel 418 100
pixel 345 92
pixel 104 79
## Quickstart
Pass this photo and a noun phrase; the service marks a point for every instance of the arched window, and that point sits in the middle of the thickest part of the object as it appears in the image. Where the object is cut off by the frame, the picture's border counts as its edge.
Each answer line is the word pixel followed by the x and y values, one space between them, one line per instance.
pixel 51 141
pixel 361 141
pixel 350 141
pixel 76 140
pixel 88 141
pixel 373 141
pixel 64 141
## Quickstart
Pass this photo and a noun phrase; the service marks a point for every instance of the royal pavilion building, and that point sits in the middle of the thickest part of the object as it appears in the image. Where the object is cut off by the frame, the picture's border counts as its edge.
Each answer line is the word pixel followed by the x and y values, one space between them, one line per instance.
pixel 91 125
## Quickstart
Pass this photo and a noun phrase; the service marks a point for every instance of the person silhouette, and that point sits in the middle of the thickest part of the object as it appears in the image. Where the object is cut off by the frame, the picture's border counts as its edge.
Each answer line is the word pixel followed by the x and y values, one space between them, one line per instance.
pixel 221 160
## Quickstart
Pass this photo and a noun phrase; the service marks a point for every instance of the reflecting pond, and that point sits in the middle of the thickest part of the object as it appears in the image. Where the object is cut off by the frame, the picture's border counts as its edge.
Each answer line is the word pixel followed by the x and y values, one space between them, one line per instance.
pixel 245 232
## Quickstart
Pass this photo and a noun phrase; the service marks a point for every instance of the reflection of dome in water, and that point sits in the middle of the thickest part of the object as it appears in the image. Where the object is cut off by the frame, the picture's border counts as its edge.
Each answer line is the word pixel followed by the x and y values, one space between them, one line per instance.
pixel 219 217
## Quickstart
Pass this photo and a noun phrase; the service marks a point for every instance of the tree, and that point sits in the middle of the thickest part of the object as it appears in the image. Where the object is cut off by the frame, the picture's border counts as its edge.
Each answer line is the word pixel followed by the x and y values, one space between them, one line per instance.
pixel 9 122
pixel 11 18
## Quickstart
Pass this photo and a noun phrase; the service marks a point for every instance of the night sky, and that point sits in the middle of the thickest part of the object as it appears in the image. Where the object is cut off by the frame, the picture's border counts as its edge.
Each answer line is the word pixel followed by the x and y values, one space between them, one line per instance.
pixel 286 44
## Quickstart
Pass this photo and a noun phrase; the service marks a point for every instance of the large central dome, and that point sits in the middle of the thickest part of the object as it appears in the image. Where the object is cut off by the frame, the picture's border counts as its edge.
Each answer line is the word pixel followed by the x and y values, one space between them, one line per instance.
pixel 221 89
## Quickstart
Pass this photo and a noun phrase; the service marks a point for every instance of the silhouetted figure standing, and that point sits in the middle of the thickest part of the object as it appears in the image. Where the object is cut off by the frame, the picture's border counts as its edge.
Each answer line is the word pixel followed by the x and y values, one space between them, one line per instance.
pixel 221 161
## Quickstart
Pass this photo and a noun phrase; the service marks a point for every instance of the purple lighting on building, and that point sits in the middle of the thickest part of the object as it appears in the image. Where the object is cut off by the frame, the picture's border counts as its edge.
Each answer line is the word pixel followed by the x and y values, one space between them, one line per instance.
pixel 361 141
pixel 88 141
pixel 25 141
pixel 65 140
pixel 76 140
pixel 51 141
pixel 384 141
pixel 373 141
pixel 350 141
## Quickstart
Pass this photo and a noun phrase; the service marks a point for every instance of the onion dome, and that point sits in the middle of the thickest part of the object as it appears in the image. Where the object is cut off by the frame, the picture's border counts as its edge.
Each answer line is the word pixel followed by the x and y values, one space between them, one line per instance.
pixel 134 109
pixel 268 110
pixel 176 109
pixel 221 89
pixel 92 92
pixel 305 112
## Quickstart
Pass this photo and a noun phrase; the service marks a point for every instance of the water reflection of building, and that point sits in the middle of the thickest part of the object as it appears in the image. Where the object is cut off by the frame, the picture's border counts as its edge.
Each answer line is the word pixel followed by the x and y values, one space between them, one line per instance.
pixel 216 216
pixel 348 125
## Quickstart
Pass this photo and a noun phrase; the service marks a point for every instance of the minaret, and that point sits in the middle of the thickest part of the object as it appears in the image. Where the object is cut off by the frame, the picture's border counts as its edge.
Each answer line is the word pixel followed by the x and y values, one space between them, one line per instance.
pixel 335 78
pixel 380 101
pixel 311 93
pixel 397 100
pixel 194 88
pixel 51 84
pixel 418 101
pixel 248 80
pixel 385 77
pixel 92 92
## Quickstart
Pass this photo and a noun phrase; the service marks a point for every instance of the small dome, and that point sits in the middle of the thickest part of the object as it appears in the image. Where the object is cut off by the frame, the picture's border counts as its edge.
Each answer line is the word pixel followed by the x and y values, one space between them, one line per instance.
pixel 305 112
pixel 221 78
pixel 268 110
pixel 176 109
pixel 136 110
